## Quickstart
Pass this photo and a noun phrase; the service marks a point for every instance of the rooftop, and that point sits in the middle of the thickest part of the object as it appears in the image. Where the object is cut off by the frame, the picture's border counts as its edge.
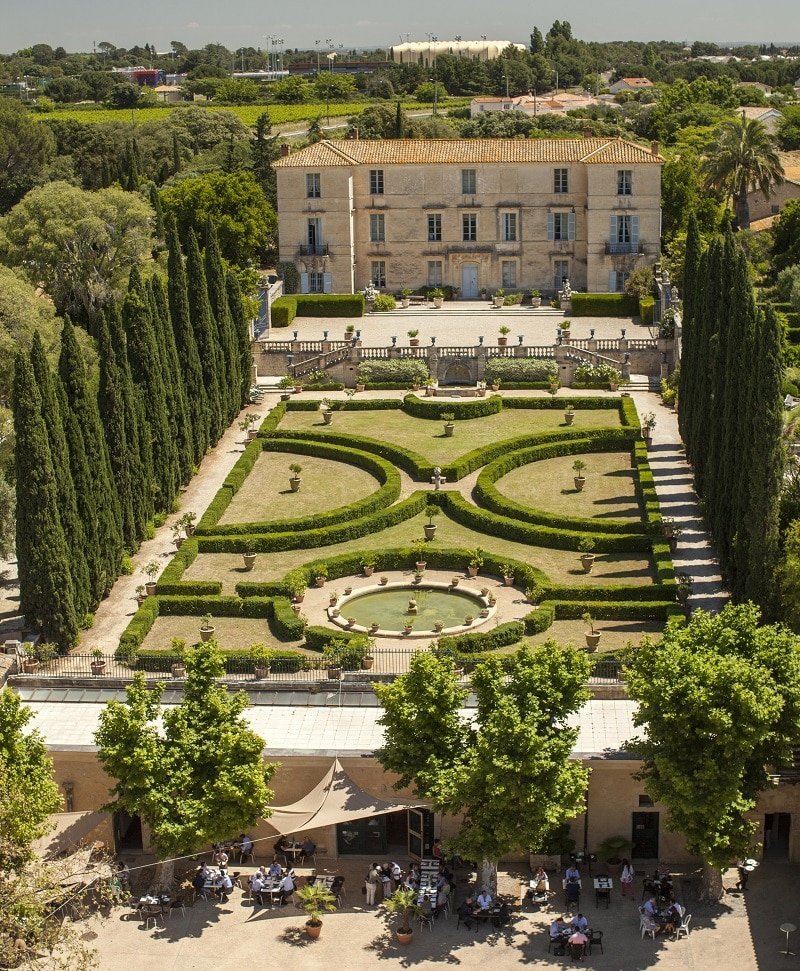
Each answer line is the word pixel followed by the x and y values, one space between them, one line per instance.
pixel 471 151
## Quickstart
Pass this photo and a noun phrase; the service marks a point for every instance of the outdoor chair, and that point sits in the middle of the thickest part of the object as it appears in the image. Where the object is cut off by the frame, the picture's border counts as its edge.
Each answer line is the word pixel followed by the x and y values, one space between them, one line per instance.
pixel 683 927
pixel 596 940
pixel 251 856
pixel 577 951
pixel 152 914
pixel 556 944
pixel 177 905
pixel 648 926
pixel 426 920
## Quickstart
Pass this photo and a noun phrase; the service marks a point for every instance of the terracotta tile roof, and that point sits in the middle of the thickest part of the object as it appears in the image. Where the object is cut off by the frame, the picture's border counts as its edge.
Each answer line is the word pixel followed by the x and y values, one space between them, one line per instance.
pixel 470 151
pixel 638 82
pixel 791 165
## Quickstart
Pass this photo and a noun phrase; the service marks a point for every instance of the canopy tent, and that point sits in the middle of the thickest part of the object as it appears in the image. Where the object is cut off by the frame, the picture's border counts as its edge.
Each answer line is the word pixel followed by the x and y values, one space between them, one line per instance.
pixel 335 799
pixel 69 831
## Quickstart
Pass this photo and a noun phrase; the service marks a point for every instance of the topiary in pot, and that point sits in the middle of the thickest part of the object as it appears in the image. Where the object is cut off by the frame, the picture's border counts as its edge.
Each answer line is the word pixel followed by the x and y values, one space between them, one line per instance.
pixel 315 899
pixel 403 902
pixel 431 511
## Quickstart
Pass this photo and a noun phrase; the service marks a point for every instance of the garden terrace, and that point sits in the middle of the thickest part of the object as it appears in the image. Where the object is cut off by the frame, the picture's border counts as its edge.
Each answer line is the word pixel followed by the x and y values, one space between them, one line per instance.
pixel 509 494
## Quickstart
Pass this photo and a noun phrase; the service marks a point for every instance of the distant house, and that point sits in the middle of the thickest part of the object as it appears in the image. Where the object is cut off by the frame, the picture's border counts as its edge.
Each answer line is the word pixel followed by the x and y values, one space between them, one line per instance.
pixel 630 84
pixel 168 93
pixel 535 105
pixel 760 206
pixel 766 88
pixel 769 117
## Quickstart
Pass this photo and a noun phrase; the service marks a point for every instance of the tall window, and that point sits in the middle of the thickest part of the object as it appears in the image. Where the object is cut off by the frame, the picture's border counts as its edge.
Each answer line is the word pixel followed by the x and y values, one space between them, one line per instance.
pixel 377 227
pixel 560 181
pixel 561 226
pixel 313 189
pixel 560 273
pixel 378 275
pixel 625 182
pixel 316 282
pixel 314 235
pixel 469 227
pixel 435 228
pixel 468 182
pixel 508 272
pixel 508 227
pixel 434 273
pixel 376 182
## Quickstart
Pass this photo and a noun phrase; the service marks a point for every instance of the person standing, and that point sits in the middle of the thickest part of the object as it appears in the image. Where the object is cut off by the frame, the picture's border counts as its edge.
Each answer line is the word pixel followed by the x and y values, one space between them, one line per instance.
pixel 626 879
pixel 371 883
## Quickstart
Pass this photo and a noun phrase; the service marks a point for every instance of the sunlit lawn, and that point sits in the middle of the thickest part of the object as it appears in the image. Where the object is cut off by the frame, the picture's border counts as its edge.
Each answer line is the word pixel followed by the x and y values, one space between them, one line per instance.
pixel 616 634
pixel 233 633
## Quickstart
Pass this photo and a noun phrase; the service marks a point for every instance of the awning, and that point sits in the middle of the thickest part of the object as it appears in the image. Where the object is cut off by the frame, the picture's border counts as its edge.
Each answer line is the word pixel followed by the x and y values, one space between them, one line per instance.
pixel 335 799
pixel 70 831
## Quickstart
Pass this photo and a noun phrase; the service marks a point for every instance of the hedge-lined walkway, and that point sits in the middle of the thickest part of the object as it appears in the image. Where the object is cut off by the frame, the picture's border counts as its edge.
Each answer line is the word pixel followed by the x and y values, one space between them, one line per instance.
pixel 115 612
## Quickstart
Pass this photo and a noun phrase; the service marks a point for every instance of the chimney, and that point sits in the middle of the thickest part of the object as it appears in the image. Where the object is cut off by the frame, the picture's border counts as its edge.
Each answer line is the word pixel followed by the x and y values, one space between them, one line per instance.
pixel 654 146
pixel 352 134
pixel 286 150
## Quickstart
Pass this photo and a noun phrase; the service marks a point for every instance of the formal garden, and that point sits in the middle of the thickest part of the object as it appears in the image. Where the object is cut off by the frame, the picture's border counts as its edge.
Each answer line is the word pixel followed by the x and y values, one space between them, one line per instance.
pixel 546 514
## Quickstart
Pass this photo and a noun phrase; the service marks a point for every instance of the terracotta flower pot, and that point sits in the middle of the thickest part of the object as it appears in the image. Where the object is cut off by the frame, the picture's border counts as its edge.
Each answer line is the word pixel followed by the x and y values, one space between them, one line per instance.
pixel 261 671
pixel 294 483
pixel 368 571
pixel 449 428
pixel 327 417
pixel 178 669
pixel 569 417
pixel 313 929
pixel 472 571
pixel 206 633
pixel 367 662
pixel 360 387
pixel 404 936
pixel 580 482
pixel 429 530
pixel 592 640
pixel 334 673
pixel 150 587
pixel 98 668
pixel 320 581
pixel 508 581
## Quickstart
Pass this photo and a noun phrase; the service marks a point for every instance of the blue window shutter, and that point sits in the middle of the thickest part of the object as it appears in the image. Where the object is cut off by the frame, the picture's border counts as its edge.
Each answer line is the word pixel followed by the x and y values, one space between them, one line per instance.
pixel 327 284
pixel 571 225
pixel 551 226
pixel 612 281
pixel 303 283
pixel 635 229
pixel 612 230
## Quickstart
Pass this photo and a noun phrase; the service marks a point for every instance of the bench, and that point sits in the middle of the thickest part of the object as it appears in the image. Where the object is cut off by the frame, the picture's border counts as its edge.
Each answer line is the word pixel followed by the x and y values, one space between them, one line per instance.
pixel 418 299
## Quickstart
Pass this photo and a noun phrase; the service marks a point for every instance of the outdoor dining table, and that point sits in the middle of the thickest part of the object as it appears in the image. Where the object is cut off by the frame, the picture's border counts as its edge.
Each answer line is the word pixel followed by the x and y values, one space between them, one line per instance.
pixel 324 880
pixel 602 889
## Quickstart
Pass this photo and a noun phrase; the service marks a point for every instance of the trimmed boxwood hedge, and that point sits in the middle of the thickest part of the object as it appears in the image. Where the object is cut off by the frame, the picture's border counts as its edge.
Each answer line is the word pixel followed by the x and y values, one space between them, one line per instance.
pixel 139 627
pixel 232 484
pixel 491 498
pixel 612 591
pixel 285 309
pixel 646 307
pixel 235 661
pixel 430 408
pixel 501 636
pixel 403 458
pixel 404 371
pixel 353 404
pixel 385 495
pixel 284 623
pixel 170 580
pixel 524 369
pixel 604 305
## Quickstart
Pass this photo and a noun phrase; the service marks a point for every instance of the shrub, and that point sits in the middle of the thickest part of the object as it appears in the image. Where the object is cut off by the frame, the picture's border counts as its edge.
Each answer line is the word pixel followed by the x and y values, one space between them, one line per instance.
pixel 520 369
pixel 597 372
pixel 604 305
pixel 460 410
pixel 512 300
pixel 646 308
pixel 290 275
pixel 285 309
pixel 384 302
pixel 405 371
pixel 500 636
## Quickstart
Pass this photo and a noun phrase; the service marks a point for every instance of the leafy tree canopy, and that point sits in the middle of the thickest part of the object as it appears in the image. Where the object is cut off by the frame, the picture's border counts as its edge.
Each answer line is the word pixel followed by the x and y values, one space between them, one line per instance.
pixel 25 149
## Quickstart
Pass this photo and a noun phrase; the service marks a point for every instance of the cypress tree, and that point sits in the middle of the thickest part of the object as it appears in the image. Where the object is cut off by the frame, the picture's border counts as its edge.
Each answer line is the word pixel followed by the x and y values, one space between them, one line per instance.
pixel 707 338
pixel 399 121
pixel 83 406
pixel 46 590
pixel 205 336
pixel 176 154
pixel 74 533
pixel 230 375
pixel 241 327
pixel 146 371
pixel 155 202
pixel 689 350
pixel 105 175
pixel 188 356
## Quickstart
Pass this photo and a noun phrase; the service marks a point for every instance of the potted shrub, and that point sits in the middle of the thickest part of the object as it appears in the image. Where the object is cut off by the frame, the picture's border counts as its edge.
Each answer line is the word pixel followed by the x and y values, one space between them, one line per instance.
pixel 586 547
pixel 261 656
pixel 178 648
pixel 177 530
pixel 507 570
pixel 468 620
pixel 498 298
pixel 315 899
pixel 438 626
pixel 431 511
pixel 321 575
pixel 369 658
pixel 249 558
pixel 475 561
pixel 368 564
pixel 481 389
pixel 496 382
pixel 449 419
pixel 331 659
pixel 141 596
pixel 403 902
pixel 418 575
pixel 536 298
pixel 437 295
pixel 98 663
pixel 298 386
pixel 408 626
pixel 668 527
pixel 360 386
pixel 349 331
pixel 484 612
pixel 578 467
pixel 534 593
pixel 502 340
pixel 455 581
pixel 295 584
pixel 294 478
pixel 648 424
pixel 612 851
pixel 151 570
pixel 430 387
pixel 419 555
pixel 553 384
pixel 383 581
pixel 285 384
pixel 592 635
pixel 327 411
pixel 569 414
pixel 333 597
pixel 246 425
pixel 206 628
pixel 413 338
pixel 683 588
pixel 405 297
pixel 348 590
pixel 189 519
pixel 374 627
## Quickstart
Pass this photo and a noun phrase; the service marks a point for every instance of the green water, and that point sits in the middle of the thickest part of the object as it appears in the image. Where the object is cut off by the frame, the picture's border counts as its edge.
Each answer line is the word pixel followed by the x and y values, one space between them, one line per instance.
pixel 390 608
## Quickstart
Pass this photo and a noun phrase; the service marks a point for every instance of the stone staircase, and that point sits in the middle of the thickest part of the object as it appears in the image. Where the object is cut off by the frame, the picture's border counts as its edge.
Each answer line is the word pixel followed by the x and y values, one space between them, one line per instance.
pixel 643 382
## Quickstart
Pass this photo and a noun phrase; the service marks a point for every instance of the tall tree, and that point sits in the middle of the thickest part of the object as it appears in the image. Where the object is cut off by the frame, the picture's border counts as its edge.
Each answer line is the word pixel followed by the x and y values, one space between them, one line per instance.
pixel 228 350
pixel 46 591
pixel 205 337
pixel 188 356
pixel 743 158
pixel 508 771
pixel 241 326
pixel 718 702
pixel 199 775
pixel 83 405
pixel 74 533
pixel 689 351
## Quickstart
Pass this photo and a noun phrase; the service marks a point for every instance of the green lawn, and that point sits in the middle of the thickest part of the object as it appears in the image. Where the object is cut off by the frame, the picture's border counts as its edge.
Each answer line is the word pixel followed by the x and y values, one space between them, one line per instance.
pixel 233 633
pixel 427 437
pixel 548 485
pixel 616 633
pixel 562 566
pixel 266 495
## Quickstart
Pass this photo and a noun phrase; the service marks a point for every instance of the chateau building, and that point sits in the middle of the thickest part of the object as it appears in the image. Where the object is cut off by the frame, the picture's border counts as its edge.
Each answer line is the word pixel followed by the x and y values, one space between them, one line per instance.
pixel 471 214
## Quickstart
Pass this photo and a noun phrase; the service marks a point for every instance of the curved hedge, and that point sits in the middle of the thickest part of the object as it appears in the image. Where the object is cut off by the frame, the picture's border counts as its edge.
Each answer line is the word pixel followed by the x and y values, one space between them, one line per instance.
pixel 232 484
pixel 501 636
pixel 431 409
pixel 491 498
pixel 170 580
pixel 385 495
pixel 403 458
pixel 354 404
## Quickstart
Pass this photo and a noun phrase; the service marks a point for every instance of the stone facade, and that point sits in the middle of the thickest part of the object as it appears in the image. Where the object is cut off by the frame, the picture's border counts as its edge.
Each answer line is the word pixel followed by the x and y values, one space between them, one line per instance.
pixel 472 214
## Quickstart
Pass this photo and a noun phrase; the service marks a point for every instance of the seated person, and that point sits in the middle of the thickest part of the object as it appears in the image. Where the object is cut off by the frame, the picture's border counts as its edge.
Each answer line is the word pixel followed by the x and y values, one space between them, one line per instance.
pixel 436 849
pixel 572 873
pixel 484 900
pixel 677 911
pixel 541 882
pixel 557 927
pixel 649 907
pixel 199 881
pixel 280 847
pixel 256 886
pixel 223 885
pixel 577 941
pixel 662 872
pixel 467 911
pixel 442 897
pixel 220 856
pixel 572 892
pixel 275 870
pixel 502 915
pixel 245 846
pixel 579 923
pixel 287 888
pixel 307 848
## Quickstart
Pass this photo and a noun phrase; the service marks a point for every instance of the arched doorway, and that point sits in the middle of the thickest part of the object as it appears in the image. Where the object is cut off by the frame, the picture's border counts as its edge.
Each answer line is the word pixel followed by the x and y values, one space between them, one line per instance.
pixel 457 374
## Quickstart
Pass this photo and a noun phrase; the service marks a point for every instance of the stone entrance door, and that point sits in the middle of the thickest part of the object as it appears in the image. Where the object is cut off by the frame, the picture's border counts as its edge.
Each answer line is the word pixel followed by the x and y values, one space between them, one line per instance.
pixel 469 281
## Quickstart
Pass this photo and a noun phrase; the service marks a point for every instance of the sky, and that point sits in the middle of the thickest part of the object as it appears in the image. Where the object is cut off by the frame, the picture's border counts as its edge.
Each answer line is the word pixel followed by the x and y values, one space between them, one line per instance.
pixel 76 24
